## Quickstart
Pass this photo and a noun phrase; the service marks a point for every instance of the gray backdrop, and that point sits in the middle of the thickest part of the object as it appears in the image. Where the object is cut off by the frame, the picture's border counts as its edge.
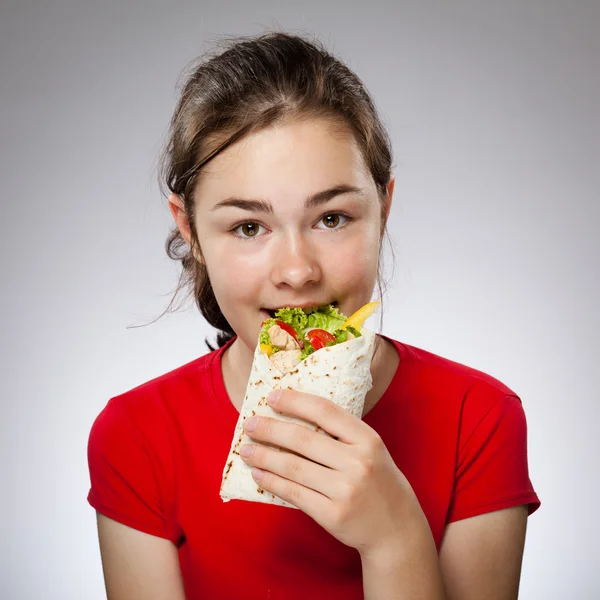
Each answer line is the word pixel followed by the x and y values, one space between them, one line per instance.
pixel 493 109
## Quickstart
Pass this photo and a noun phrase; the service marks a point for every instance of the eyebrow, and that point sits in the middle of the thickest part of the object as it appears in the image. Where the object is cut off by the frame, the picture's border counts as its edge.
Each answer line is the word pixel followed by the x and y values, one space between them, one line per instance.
pixel 312 201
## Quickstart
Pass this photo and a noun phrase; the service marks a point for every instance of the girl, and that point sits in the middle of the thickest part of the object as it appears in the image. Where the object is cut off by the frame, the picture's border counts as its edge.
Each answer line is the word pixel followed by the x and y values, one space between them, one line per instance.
pixel 280 184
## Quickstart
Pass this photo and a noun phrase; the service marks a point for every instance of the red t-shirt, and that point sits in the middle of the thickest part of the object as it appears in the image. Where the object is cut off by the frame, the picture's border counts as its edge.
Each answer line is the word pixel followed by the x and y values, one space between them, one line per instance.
pixel 156 456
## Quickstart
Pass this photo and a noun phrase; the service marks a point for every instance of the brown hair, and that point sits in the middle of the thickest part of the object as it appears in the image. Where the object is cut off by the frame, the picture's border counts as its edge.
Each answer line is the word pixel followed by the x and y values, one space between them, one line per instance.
pixel 253 83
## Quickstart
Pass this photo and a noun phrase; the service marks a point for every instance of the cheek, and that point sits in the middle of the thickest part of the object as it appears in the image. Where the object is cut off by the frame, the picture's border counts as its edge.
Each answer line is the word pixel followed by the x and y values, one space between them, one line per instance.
pixel 354 263
pixel 234 271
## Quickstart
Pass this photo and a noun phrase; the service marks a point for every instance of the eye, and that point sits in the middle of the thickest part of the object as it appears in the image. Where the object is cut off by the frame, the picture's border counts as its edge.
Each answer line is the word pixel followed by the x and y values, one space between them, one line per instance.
pixel 248 230
pixel 332 221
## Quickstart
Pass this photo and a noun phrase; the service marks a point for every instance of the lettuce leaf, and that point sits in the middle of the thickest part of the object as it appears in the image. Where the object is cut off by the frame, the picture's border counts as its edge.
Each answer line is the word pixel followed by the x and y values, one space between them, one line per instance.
pixel 341 335
pixel 307 350
pixel 354 331
pixel 294 317
pixel 264 334
pixel 323 317
pixel 326 317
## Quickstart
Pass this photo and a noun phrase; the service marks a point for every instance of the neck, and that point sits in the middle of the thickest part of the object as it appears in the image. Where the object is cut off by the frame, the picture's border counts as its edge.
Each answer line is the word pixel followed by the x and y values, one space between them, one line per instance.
pixel 236 364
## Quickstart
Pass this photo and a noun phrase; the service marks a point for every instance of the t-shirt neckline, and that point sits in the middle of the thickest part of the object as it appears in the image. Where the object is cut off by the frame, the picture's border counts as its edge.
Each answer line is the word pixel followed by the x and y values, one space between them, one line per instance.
pixel 230 414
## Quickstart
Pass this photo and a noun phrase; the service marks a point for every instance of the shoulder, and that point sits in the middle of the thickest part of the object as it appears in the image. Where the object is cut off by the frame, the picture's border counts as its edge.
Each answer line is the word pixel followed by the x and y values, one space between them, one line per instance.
pixel 450 386
pixel 150 404
pixel 446 368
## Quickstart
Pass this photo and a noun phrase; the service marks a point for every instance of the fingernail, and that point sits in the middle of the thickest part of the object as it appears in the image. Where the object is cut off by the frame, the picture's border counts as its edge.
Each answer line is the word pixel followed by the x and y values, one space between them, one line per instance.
pixel 250 424
pixel 273 396
pixel 247 450
pixel 257 474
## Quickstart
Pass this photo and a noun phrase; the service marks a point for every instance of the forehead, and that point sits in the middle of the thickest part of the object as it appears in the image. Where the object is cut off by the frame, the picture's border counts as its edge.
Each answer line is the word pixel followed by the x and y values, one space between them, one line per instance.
pixel 290 160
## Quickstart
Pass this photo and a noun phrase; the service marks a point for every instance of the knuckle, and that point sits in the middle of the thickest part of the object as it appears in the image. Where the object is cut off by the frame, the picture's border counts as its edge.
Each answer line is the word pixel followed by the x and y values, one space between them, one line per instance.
pixel 375 441
pixel 364 467
pixel 293 493
pixel 265 429
pixel 338 516
pixel 373 445
pixel 346 490
pixel 293 466
pixel 329 408
pixel 304 436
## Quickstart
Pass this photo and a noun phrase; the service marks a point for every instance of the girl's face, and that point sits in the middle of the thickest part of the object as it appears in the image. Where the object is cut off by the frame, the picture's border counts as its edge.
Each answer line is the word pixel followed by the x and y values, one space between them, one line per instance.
pixel 288 216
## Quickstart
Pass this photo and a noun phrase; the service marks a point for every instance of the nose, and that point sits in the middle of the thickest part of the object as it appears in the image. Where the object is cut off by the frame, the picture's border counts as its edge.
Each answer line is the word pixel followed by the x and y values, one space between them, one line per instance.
pixel 295 263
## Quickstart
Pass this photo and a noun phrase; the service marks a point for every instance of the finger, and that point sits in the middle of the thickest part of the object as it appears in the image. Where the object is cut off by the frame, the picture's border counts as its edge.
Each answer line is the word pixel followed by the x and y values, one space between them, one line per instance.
pixel 307 500
pixel 293 468
pixel 300 440
pixel 331 417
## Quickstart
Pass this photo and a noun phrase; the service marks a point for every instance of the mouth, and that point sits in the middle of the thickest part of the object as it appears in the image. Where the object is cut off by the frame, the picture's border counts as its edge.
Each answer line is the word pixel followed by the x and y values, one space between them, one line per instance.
pixel 270 312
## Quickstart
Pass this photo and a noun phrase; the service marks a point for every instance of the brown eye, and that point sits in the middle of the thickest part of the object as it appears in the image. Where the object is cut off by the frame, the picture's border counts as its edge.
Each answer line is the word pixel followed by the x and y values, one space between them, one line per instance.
pixel 249 229
pixel 331 221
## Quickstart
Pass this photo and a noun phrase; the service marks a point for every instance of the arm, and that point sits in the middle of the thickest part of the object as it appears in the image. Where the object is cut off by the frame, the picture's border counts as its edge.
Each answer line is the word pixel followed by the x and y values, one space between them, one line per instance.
pixel 129 492
pixel 480 557
pixel 409 570
pixel 136 565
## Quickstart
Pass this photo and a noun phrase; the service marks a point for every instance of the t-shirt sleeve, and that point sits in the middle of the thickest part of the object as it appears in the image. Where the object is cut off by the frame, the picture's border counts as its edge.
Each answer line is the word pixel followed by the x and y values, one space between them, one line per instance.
pixel 124 480
pixel 492 469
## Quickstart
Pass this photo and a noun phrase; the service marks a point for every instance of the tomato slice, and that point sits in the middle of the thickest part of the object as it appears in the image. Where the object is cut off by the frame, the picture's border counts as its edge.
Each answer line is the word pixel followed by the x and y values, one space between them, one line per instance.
pixel 319 338
pixel 289 329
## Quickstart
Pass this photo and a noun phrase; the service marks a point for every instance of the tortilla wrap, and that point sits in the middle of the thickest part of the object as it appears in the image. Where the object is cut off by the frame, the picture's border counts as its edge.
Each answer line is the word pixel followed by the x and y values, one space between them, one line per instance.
pixel 341 373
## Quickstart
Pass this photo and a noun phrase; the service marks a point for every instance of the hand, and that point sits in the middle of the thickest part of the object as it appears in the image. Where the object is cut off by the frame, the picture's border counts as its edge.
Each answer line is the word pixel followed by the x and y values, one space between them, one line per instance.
pixel 349 485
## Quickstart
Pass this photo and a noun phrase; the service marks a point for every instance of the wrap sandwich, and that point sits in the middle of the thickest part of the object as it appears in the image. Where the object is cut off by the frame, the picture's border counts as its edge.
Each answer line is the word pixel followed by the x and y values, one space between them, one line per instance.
pixel 315 350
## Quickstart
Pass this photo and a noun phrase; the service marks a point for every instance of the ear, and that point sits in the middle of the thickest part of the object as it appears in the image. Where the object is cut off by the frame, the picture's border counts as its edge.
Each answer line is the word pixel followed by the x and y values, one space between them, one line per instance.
pixel 387 206
pixel 177 209
pixel 390 193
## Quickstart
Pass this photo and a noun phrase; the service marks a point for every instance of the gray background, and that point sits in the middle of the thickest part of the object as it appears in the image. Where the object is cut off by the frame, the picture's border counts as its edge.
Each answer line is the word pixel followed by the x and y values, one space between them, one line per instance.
pixel 493 108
